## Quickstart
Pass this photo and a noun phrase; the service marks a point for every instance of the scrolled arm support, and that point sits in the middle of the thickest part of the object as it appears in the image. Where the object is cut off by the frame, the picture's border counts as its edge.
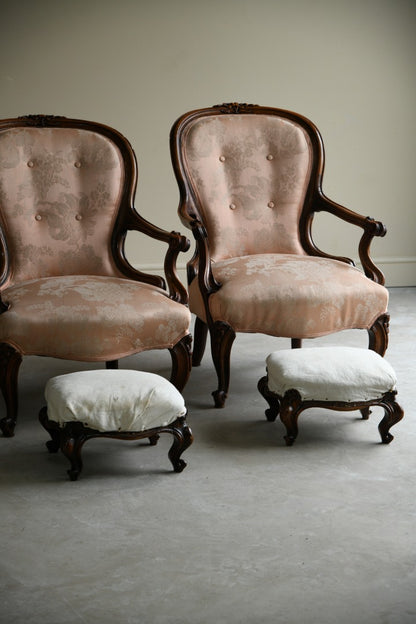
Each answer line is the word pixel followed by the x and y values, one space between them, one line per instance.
pixel 371 229
pixel 206 278
pixel 176 243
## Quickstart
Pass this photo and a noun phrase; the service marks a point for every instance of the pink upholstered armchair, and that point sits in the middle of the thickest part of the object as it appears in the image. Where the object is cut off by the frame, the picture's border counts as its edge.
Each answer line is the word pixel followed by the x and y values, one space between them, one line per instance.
pixel 250 184
pixel 67 290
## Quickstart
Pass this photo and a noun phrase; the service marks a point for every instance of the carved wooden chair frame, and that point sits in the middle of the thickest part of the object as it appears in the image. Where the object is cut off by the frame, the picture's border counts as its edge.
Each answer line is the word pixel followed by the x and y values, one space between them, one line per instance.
pixel 128 219
pixel 199 267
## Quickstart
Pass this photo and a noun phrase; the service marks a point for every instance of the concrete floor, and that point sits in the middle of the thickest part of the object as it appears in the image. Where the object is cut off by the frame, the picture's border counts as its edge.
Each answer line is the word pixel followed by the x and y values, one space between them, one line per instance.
pixel 252 532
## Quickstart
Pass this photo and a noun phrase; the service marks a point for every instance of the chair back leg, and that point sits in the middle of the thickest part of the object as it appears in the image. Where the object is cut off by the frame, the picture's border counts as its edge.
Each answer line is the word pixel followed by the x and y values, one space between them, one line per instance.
pixel 10 361
pixel 200 341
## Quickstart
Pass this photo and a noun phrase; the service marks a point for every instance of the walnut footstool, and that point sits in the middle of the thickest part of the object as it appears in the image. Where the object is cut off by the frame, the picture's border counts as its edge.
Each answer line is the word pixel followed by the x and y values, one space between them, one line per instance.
pixel 337 378
pixel 123 404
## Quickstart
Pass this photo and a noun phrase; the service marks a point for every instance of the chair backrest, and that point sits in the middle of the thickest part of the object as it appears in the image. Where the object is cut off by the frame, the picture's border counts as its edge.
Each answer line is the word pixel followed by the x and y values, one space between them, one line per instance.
pixel 62 184
pixel 245 171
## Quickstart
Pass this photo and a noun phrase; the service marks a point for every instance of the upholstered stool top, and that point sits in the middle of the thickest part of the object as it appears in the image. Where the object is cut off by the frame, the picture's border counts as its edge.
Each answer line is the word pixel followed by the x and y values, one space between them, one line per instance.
pixel 113 400
pixel 347 374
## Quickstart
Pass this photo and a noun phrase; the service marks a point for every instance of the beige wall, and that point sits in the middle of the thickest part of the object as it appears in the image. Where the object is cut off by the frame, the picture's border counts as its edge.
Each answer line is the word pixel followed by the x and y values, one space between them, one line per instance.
pixel 137 65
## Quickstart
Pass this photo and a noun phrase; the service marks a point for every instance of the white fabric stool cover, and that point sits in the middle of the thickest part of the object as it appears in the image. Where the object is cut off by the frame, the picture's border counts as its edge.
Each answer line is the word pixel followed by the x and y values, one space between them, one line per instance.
pixel 347 374
pixel 113 400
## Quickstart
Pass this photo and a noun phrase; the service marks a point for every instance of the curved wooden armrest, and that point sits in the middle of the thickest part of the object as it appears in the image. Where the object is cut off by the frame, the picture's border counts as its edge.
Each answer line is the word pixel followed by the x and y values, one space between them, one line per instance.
pixel 371 229
pixel 375 228
pixel 176 243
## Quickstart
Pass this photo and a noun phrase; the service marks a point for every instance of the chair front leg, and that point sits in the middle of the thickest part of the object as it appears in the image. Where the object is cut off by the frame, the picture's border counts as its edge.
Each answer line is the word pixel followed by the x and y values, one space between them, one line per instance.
pixel 181 362
pixel 379 335
pixel 10 361
pixel 222 338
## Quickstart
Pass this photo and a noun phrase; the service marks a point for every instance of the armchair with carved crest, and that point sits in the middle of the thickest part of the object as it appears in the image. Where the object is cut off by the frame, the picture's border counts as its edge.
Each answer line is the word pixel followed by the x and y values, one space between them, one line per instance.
pixel 67 290
pixel 250 184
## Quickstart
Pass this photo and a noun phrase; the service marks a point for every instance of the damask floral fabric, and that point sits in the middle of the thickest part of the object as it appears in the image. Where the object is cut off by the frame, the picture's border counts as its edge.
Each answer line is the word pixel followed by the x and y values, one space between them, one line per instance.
pixel 59 194
pixel 291 295
pixel 48 317
pixel 249 174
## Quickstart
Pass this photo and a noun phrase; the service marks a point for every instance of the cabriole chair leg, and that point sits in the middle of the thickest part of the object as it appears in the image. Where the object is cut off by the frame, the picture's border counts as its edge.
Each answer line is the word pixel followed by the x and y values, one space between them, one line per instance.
pixel 222 338
pixel 181 362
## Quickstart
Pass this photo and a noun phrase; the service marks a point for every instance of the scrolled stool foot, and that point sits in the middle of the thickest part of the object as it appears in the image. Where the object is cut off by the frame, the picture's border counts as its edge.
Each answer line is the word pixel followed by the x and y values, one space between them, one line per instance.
pixel 365 413
pixel 179 465
pixel 270 415
pixel 52 446
pixel 387 438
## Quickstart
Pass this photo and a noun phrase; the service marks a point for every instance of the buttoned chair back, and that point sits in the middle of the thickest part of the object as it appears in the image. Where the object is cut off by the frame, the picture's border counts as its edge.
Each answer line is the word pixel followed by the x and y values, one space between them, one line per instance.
pixel 250 185
pixel 61 191
pixel 67 288
pixel 250 175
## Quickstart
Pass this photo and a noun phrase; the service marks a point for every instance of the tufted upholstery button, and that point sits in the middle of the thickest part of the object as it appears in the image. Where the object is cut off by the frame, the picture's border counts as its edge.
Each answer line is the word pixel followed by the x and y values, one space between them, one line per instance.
pixel 222 158
pixel 270 157
pixel 77 164
pixel 233 206
pixel 30 164
pixel 38 217
pixel 271 204
pixel 78 217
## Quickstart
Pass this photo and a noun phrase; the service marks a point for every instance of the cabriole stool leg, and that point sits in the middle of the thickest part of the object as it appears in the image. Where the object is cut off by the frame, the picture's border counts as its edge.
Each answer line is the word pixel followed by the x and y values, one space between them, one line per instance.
pixel 393 413
pixel 71 445
pixel 183 438
pixel 290 408
pixel 54 444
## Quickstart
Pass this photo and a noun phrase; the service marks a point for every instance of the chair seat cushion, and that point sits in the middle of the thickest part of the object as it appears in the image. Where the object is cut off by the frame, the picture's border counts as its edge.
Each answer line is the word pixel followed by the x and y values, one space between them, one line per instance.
pixel 113 400
pixel 291 296
pixel 346 374
pixel 90 318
